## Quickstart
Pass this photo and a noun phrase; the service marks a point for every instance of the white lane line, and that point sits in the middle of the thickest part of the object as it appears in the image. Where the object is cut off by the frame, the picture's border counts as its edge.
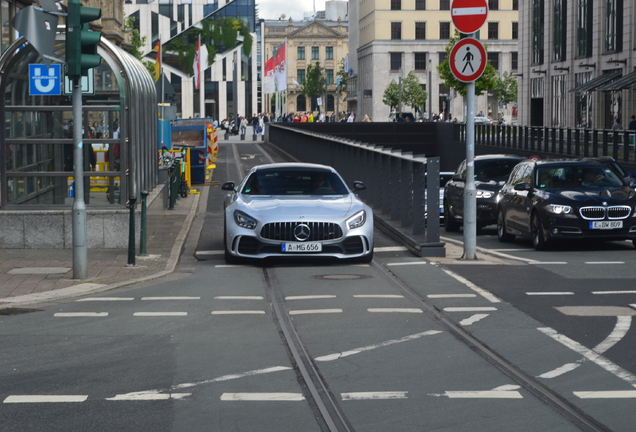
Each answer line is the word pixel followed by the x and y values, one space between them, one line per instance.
pixel 336 356
pixel 390 249
pixel 384 296
pixel 549 293
pixel 212 252
pixel 470 309
pixel 309 297
pixel 230 265
pixel 105 299
pixel 407 263
pixel 548 262
pixel 80 314
pixel 623 323
pixel 485 294
pixel 617 394
pixel 614 292
pixel 314 311
pixel 159 314
pixel 238 297
pixel 398 310
pixel 277 397
pixel 590 355
pixel 488 394
pixel 568 367
pixel 148 396
pixel 604 262
pixel 451 295
pixel 473 319
pixel 45 398
pixel 171 298
pixel 231 377
pixel 238 312
pixel 374 395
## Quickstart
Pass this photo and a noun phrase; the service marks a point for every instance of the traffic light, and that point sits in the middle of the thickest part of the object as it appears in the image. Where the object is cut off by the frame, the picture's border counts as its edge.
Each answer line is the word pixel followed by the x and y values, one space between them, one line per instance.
pixel 81 43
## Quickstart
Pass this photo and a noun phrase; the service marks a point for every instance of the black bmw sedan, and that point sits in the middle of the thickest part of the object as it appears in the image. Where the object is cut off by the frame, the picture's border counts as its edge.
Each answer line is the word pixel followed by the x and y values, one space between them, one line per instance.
pixel 551 200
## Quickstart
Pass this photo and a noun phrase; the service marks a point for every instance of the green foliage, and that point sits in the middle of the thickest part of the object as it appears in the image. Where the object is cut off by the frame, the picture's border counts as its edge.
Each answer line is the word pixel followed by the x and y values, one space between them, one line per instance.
pixel 505 89
pixel 344 76
pixel 484 83
pixel 315 82
pixel 138 41
pixel 412 93
pixel 391 96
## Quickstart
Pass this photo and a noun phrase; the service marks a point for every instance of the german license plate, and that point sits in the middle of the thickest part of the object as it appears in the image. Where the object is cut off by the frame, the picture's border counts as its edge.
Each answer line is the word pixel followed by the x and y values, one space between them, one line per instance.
pixel 302 247
pixel 606 224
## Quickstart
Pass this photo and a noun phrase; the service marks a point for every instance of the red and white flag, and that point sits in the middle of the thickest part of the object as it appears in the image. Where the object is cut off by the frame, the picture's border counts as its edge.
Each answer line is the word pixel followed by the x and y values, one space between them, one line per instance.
pixel 197 65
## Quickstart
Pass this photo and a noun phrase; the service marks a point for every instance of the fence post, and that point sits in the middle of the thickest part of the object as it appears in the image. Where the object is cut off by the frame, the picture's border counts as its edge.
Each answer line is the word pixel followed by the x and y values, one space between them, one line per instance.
pixel 131 233
pixel 143 234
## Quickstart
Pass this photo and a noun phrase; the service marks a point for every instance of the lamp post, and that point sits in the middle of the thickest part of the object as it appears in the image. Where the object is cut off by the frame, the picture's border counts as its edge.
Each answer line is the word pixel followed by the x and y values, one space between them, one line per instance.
pixel 430 89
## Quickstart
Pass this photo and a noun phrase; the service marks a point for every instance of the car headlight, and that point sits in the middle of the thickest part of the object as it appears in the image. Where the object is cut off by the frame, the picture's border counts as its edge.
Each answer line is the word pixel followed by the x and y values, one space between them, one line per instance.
pixel 243 220
pixel 484 194
pixel 357 220
pixel 558 209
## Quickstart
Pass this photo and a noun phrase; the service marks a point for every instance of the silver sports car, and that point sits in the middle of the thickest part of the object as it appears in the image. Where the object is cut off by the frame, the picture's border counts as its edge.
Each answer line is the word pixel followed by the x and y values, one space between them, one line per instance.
pixel 296 209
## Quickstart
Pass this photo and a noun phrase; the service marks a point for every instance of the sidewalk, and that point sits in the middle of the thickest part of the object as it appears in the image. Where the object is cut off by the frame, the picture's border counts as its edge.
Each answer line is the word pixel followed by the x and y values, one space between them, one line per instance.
pixel 37 275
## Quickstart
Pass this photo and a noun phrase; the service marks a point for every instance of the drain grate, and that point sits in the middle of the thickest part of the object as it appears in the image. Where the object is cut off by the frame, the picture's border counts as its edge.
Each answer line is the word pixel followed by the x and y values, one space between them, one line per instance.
pixel 346 277
pixel 17 311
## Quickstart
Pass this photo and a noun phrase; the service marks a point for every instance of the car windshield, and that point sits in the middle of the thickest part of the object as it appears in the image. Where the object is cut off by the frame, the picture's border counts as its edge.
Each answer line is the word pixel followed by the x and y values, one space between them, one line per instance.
pixel 444 178
pixel 294 181
pixel 576 176
pixel 494 170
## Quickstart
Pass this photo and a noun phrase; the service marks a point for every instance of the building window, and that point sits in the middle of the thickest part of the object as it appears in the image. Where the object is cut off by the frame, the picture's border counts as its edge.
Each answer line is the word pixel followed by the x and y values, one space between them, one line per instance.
pixel 493 30
pixel 396 30
pixel 537 32
pixel 514 60
pixel 315 53
pixel 559 94
pixel 420 60
pixel 420 4
pixel 396 4
pixel 300 76
pixel 300 53
pixel 584 28
pixel 493 5
pixel 441 57
pixel 444 4
pixel 444 30
pixel 515 5
pixel 559 30
pixel 329 73
pixel 614 26
pixel 420 30
pixel 301 103
pixel 493 58
pixel 396 61
pixel 515 30
pixel 329 53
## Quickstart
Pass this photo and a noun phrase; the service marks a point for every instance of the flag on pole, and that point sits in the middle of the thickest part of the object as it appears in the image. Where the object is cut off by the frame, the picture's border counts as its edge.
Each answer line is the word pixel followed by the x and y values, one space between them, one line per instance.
pixel 197 64
pixel 280 68
pixel 157 65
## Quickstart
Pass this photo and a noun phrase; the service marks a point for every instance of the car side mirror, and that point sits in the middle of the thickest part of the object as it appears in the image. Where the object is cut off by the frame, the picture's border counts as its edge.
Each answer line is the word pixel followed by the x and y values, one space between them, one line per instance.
pixel 358 186
pixel 522 187
pixel 229 186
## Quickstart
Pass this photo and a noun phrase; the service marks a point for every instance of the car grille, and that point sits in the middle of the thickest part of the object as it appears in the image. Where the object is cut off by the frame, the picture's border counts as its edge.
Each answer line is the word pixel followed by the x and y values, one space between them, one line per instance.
pixel 284 231
pixel 599 213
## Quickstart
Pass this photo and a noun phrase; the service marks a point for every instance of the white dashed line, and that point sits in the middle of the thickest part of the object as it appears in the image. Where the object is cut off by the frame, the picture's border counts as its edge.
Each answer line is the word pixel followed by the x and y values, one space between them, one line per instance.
pixel 614 292
pixel 407 263
pixel 489 394
pixel 171 298
pixel 374 395
pixel 105 299
pixel 382 296
pixel 278 397
pixel 159 314
pixel 451 295
pixel 238 312
pixel 398 310
pixel 314 311
pixel 618 394
pixel 80 314
pixel 470 309
pixel 549 293
pixel 45 398
pixel 238 298
pixel 309 297
pixel 605 262
pixel 148 396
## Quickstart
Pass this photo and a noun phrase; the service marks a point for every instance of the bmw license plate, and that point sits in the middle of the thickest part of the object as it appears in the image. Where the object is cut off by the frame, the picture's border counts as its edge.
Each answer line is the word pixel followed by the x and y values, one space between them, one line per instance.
pixel 302 247
pixel 606 224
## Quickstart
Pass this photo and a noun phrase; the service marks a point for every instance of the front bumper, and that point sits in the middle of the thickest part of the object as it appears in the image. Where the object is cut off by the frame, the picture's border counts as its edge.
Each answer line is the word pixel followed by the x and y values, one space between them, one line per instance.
pixel 577 228
pixel 248 246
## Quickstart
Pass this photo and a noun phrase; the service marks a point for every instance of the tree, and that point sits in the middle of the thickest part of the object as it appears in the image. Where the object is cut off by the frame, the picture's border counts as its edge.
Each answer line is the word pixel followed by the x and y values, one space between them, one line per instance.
pixel 138 41
pixel 315 82
pixel 482 84
pixel 391 96
pixel 505 89
pixel 413 94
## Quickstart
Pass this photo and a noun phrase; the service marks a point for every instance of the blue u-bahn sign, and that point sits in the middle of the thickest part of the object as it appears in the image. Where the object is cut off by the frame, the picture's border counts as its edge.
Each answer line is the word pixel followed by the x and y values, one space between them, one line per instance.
pixel 45 81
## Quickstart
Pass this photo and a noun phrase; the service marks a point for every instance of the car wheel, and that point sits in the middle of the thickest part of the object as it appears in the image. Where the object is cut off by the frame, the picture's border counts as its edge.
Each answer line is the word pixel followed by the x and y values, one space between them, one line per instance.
pixel 450 224
pixel 538 239
pixel 502 234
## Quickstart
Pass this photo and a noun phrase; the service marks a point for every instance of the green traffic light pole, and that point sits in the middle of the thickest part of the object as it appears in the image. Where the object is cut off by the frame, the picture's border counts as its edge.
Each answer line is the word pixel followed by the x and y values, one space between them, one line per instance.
pixel 80 248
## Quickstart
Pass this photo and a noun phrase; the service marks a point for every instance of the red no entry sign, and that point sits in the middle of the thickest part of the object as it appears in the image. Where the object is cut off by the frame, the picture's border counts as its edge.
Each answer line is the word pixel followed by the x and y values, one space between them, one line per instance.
pixel 469 15
pixel 468 60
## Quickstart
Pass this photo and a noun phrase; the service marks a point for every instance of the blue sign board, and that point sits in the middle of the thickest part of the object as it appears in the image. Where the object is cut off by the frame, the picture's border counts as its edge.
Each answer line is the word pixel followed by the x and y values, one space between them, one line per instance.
pixel 45 81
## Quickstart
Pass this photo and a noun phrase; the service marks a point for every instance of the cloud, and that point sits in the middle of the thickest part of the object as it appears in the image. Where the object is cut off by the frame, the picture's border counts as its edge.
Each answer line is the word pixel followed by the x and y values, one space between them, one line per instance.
pixel 274 9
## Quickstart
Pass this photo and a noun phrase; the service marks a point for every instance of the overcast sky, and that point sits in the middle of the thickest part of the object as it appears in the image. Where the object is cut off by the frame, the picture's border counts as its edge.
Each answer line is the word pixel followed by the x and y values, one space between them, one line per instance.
pixel 273 9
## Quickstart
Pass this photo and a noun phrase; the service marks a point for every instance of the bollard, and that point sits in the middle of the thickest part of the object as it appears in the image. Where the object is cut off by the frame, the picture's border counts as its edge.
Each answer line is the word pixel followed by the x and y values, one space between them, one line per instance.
pixel 143 234
pixel 254 137
pixel 174 184
pixel 242 137
pixel 131 233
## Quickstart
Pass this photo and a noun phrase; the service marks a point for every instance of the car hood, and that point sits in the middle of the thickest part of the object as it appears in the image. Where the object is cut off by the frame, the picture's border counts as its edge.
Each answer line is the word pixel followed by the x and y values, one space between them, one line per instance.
pixel 492 185
pixel 301 206
pixel 598 195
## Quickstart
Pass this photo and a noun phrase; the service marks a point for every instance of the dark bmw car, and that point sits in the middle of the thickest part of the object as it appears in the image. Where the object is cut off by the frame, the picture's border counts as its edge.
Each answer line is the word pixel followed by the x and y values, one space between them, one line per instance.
pixel 551 200
pixel 491 171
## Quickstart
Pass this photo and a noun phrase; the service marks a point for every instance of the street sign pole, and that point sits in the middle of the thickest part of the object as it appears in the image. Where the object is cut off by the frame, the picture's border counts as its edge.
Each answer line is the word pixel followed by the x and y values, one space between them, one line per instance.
pixel 80 248
pixel 470 192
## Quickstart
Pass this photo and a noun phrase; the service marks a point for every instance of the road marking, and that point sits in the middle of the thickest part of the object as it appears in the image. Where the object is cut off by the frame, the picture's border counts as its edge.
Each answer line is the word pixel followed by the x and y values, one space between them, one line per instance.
pixel 387 296
pixel 374 395
pixel 596 311
pixel 590 355
pixel 212 252
pixel 148 396
pixel 390 249
pixel 407 263
pixel 80 314
pixel 617 394
pixel 488 394
pixel 549 293
pixel 229 266
pixel 488 296
pixel 231 377
pixel 470 309
pixel 473 319
pixel 171 298
pixel 568 367
pixel 314 311
pixel 45 398
pixel 105 299
pixel 278 397
pixel 614 292
pixel 238 312
pixel 309 297
pixel 548 262
pixel 605 262
pixel 451 295
pixel 336 356
pixel 238 297
pixel 389 310
pixel 159 314
pixel 511 250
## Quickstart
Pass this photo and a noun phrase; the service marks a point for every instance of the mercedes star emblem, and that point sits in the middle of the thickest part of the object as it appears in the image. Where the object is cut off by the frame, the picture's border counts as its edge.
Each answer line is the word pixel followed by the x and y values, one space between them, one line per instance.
pixel 302 232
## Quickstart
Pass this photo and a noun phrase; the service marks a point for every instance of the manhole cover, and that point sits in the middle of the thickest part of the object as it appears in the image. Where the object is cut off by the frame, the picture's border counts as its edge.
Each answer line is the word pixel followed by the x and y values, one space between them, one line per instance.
pixel 341 277
pixel 17 311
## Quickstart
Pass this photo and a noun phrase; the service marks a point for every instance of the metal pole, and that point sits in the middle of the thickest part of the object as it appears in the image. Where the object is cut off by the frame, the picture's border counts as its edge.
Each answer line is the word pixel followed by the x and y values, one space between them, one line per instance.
pixel 430 89
pixel 131 233
pixel 80 249
pixel 399 97
pixel 470 192
pixel 143 233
